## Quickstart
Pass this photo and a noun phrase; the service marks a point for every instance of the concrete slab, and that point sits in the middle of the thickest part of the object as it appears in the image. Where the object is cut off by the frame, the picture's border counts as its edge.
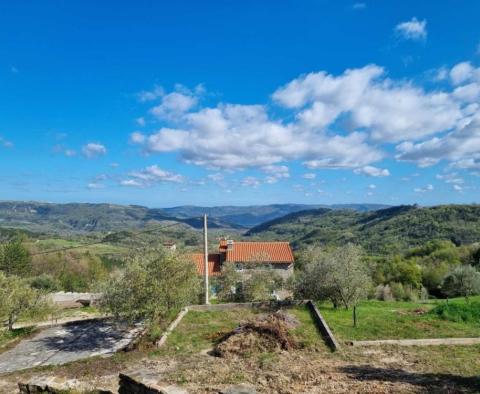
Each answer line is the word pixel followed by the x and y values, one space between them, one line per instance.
pixel 69 342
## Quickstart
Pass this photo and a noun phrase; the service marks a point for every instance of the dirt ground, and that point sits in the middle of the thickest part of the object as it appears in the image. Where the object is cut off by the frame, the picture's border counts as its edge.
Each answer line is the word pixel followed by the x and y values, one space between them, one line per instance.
pixel 384 370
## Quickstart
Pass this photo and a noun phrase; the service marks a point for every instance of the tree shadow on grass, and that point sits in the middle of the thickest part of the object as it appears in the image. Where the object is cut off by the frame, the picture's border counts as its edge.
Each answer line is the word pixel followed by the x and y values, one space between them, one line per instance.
pixel 429 382
pixel 86 337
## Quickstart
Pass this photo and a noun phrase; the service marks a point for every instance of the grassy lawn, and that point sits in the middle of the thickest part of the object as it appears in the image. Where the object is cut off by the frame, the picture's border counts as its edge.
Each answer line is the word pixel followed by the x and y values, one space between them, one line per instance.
pixel 397 320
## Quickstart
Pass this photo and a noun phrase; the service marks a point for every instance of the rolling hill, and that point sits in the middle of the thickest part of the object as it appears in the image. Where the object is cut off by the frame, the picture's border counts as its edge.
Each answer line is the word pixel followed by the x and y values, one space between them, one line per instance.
pixel 382 231
pixel 84 218
pixel 253 215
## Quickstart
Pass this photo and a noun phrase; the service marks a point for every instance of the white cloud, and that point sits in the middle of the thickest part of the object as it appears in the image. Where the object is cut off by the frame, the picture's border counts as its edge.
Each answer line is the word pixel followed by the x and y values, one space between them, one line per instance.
pixel 425 189
pixel 239 136
pixel 452 178
pixel 154 174
pixel 137 138
pixel 359 6
pixel 93 150
pixel 114 165
pixel 457 188
pixel 390 111
pixel 463 72
pixel 250 181
pixel 309 175
pixel 131 182
pixel 335 121
pixel 275 173
pixel 95 185
pixel 217 177
pixel 461 147
pixel 372 171
pixel 372 186
pixel 141 121
pixel 69 152
pixel 174 105
pixel 150 95
pixel 412 29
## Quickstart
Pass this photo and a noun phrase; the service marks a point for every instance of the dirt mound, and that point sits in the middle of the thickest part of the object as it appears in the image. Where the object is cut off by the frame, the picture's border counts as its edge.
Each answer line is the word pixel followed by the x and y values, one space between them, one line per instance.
pixel 266 333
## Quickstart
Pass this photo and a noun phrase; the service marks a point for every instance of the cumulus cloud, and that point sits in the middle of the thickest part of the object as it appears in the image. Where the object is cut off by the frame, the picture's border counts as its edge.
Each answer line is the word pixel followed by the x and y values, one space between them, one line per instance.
pixel 391 111
pixel 174 105
pixel 372 171
pixel 412 29
pixel 461 147
pixel 93 150
pixel 338 121
pixel 150 175
pixel 463 72
pixel 141 121
pixel 239 136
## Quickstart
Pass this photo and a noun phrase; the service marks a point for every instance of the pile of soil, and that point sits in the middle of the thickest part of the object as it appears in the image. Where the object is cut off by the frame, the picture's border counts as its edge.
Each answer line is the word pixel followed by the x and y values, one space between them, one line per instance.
pixel 266 333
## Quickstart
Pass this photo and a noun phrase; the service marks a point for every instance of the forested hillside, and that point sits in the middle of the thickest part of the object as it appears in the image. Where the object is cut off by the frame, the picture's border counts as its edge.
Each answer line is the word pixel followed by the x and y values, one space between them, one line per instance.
pixel 385 231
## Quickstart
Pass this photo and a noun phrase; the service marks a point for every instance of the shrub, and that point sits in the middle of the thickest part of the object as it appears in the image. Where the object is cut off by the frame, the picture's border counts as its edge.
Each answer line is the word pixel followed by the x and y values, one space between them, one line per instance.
pixel 469 312
pixel 462 281
pixel 45 282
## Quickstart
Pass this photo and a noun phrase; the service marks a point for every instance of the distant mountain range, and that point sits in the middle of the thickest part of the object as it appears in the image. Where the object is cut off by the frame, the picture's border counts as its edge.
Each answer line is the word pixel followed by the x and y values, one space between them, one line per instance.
pixel 81 217
pixel 253 215
pixel 390 230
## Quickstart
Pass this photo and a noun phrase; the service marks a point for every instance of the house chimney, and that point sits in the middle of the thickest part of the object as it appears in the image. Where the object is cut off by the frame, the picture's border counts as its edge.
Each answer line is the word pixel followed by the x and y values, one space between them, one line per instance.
pixel 229 244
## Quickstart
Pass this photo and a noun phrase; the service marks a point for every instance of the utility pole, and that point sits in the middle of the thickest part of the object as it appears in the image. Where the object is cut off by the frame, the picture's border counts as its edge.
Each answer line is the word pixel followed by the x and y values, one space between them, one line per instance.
pixel 205 252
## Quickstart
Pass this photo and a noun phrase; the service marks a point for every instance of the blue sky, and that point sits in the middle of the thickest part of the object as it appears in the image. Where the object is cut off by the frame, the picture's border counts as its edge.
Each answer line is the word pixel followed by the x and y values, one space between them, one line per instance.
pixel 240 103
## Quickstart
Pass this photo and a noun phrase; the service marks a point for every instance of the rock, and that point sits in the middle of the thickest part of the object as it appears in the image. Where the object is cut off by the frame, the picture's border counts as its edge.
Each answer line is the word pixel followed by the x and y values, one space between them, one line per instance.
pixel 239 389
pixel 140 384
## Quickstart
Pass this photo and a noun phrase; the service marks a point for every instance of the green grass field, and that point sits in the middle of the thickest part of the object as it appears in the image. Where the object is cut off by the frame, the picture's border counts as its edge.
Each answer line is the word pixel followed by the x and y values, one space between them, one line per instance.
pixel 397 320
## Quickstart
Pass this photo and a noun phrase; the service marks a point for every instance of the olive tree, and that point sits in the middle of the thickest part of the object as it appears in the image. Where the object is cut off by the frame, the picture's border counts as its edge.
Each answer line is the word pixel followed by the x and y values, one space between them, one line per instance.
pixel 339 275
pixel 462 281
pixel 154 283
pixel 18 299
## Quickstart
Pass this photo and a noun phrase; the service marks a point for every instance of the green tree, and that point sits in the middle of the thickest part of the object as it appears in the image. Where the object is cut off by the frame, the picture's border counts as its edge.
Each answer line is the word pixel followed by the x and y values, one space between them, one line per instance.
pixel 462 281
pixel 154 284
pixel 15 258
pixel 261 284
pixel 229 283
pixel 18 299
pixel 339 275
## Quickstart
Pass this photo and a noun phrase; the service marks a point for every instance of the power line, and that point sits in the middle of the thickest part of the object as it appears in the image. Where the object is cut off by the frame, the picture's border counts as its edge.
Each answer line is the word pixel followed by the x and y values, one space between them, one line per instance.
pixel 102 241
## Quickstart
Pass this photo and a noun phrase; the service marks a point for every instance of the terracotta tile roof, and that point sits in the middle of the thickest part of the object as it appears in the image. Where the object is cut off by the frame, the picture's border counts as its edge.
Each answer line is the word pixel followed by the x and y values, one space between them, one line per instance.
pixel 271 252
pixel 214 267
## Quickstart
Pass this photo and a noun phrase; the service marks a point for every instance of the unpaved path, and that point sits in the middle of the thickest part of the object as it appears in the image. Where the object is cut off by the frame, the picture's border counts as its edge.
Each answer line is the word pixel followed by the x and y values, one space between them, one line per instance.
pixel 68 342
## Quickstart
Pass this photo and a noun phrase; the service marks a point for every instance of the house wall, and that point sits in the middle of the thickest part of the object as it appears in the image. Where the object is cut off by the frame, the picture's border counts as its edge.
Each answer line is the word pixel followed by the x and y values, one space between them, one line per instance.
pixel 284 270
